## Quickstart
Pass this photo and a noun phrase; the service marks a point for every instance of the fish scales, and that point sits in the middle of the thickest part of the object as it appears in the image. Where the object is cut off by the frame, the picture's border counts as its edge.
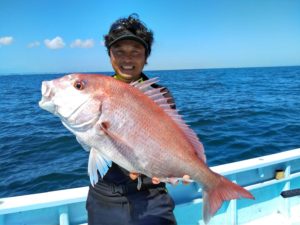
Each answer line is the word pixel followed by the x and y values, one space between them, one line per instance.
pixel 132 126
pixel 137 121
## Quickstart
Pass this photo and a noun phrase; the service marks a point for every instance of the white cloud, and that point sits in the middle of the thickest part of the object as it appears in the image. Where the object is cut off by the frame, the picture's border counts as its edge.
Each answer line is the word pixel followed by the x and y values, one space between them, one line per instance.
pixel 34 44
pixel 78 43
pixel 6 40
pixel 55 43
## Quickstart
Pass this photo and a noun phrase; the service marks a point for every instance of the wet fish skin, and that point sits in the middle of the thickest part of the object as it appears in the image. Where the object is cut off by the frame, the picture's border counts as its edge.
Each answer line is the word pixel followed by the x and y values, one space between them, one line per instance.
pixel 119 122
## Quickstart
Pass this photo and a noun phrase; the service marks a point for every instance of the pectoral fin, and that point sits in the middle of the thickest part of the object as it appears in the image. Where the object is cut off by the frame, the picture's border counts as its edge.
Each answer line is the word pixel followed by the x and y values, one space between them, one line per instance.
pixel 104 127
pixel 97 162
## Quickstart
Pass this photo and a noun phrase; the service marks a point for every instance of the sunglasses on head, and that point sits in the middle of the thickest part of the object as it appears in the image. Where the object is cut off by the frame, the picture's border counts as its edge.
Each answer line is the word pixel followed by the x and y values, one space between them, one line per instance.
pixel 124 24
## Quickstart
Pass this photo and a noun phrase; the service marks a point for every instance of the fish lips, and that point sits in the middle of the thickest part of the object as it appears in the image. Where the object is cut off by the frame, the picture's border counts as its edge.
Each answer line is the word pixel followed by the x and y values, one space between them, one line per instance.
pixel 47 105
pixel 46 102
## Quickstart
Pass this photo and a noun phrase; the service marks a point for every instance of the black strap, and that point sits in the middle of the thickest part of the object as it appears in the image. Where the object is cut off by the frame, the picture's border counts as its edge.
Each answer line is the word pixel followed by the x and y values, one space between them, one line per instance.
pixel 132 188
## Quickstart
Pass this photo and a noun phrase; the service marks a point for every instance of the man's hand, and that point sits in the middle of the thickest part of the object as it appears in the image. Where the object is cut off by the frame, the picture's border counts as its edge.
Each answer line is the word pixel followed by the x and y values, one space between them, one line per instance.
pixel 185 179
pixel 155 180
pixel 134 175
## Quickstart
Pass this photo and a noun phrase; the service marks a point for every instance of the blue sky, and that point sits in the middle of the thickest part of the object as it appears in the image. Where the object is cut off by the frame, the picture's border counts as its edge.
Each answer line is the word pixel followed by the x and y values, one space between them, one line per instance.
pixel 41 36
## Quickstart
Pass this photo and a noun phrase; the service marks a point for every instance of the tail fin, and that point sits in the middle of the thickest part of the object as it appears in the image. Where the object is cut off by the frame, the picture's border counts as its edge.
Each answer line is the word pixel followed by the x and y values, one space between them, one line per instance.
pixel 224 191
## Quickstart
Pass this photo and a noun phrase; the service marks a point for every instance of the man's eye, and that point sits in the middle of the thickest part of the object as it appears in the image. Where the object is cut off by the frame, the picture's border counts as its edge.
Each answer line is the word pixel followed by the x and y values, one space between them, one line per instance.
pixel 79 85
pixel 136 53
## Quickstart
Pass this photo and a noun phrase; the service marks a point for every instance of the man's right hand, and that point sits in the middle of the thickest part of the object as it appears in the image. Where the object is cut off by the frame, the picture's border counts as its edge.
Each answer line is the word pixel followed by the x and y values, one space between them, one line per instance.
pixel 156 180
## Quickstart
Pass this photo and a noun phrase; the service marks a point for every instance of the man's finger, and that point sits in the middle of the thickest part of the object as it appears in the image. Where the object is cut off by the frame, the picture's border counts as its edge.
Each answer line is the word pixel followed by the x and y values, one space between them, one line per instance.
pixel 133 175
pixel 155 180
pixel 185 179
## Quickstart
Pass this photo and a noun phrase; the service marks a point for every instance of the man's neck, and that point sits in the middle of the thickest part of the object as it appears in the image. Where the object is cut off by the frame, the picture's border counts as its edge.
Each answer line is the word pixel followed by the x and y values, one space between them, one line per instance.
pixel 118 77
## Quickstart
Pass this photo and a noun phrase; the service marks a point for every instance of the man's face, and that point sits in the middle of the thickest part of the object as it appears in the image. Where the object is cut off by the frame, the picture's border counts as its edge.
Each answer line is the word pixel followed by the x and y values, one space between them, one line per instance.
pixel 128 58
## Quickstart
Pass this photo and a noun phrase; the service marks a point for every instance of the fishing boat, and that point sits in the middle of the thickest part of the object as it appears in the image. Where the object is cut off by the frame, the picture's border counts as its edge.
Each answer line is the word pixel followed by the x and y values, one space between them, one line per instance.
pixel 274 180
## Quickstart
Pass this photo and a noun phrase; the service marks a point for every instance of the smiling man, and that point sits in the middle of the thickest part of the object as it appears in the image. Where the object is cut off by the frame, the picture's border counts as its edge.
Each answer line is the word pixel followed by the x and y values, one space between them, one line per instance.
pixel 128 60
pixel 115 199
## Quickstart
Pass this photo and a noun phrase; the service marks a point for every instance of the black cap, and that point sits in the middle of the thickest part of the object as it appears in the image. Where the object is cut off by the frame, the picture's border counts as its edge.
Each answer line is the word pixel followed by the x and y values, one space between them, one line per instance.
pixel 130 28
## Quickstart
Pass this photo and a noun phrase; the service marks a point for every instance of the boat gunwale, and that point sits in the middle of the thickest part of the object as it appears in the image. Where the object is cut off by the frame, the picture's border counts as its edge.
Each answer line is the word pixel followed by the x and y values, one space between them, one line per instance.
pixel 76 195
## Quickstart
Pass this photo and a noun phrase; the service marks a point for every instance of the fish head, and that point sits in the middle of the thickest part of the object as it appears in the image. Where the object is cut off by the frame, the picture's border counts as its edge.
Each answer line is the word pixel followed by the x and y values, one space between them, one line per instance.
pixel 74 99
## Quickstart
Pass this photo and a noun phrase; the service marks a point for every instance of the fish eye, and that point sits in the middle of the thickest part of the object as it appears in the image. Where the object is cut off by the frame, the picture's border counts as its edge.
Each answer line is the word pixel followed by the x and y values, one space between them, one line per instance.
pixel 79 85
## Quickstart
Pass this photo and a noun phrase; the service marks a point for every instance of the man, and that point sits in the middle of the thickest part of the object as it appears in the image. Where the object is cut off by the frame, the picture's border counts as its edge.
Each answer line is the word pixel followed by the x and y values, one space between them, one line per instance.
pixel 115 198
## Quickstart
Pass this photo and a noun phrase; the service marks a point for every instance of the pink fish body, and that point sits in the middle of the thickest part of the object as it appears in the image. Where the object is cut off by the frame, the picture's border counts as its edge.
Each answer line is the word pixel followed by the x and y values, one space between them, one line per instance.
pixel 134 126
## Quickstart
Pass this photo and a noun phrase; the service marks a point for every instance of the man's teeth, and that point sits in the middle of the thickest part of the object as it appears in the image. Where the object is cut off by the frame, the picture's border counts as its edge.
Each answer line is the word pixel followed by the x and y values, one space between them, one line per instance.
pixel 127 67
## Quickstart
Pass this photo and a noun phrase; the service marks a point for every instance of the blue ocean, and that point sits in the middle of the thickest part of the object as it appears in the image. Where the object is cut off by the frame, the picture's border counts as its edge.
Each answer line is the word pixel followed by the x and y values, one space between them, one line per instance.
pixel 237 113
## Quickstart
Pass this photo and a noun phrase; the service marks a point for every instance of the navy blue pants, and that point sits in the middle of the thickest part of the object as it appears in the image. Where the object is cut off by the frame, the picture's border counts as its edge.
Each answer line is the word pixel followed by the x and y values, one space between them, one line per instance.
pixel 150 206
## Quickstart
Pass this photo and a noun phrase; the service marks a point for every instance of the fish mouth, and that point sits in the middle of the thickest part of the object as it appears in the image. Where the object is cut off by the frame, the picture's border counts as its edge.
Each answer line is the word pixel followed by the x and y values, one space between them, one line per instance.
pixel 48 105
pixel 47 95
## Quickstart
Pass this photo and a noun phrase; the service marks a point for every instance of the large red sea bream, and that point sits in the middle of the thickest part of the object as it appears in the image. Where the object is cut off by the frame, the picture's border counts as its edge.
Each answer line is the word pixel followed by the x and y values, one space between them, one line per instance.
pixel 134 126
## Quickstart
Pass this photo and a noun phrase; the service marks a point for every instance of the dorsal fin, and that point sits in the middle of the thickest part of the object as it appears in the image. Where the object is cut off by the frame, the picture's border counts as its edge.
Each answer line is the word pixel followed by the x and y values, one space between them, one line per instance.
pixel 157 95
pixel 144 85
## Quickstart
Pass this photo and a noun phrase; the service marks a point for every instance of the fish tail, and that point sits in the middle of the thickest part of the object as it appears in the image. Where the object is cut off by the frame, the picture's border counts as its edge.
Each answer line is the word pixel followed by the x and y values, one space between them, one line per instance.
pixel 225 190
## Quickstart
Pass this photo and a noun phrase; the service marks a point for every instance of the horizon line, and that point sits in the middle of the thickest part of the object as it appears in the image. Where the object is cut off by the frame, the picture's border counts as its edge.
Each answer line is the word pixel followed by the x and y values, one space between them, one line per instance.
pixel 103 72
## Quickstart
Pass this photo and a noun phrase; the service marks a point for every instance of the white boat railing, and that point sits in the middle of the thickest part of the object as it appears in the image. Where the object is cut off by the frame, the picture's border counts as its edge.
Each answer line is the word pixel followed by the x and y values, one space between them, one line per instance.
pixel 68 206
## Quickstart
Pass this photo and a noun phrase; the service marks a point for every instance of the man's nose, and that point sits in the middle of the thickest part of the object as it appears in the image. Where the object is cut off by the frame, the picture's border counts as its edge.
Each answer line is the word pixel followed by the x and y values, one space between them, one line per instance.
pixel 128 57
